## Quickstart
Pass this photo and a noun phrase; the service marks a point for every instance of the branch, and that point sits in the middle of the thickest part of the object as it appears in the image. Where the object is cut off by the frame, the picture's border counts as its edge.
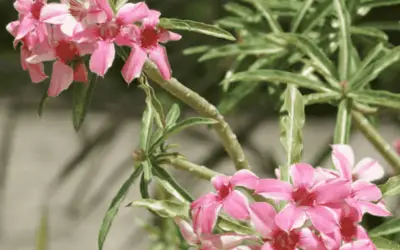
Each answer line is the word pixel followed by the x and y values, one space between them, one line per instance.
pixel 200 171
pixel 203 107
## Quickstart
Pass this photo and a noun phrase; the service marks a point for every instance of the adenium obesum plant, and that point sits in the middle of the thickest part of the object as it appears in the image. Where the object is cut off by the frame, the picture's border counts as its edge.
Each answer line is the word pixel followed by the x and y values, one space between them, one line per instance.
pixel 69 31
pixel 318 209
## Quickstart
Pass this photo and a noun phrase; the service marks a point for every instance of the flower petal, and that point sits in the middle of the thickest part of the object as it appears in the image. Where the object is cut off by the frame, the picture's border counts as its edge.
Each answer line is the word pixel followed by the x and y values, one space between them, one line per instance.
pixel 27 25
pixel 262 217
pixel 236 205
pixel 204 200
pixel 133 66
pixel 343 159
pixel 205 217
pixel 274 189
pixel 36 72
pixel 362 190
pixel 358 245
pixel 323 218
pixel 61 77
pixel 369 170
pixel 132 12
pixel 160 58
pixel 245 178
pixel 332 191
pixel 308 240
pixel 80 73
pixel 102 58
pixel 23 6
pixel 302 175
pixel 105 6
pixel 166 35
pixel 152 19
pixel 225 241
pixel 187 231
pixel 378 209
pixel 290 217
pixel 54 13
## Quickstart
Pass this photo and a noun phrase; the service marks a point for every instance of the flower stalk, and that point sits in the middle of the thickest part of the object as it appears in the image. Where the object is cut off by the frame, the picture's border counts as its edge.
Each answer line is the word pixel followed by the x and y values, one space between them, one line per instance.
pixel 200 171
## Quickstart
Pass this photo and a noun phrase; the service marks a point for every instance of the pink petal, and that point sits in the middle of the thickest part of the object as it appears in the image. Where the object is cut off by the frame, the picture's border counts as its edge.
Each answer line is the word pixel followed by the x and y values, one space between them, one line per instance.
pixel 105 6
pixel 343 159
pixel 362 190
pixel 262 217
pixel 62 76
pixel 54 13
pixel 308 240
pixel 42 57
pixel 102 58
pixel 323 218
pixel 267 246
pixel 27 25
pixel 332 240
pixel 133 66
pixel 71 26
pixel 358 245
pixel 204 200
pixel 12 27
pixel 225 241
pixel 166 35
pixel 187 231
pixel 152 19
pixel 236 205
pixel 332 191
pixel 23 6
pixel 378 209
pixel 290 217
pixel 322 174
pixel 245 178
pixel 160 58
pixel 80 73
pixel 302 175
pixel 274 189
pixel 132 12
pixel 205 217
pixel 36 72
pixel 220 181
pixel 369 170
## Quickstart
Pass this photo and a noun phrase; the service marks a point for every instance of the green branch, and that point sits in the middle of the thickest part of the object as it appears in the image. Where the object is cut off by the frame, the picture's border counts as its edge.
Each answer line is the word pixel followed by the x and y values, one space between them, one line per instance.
pixel 202 106
pixel 200 171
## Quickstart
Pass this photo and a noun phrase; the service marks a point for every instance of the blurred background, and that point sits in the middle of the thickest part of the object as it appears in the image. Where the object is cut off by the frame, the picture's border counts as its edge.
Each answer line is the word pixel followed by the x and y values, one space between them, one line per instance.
pixel 44 161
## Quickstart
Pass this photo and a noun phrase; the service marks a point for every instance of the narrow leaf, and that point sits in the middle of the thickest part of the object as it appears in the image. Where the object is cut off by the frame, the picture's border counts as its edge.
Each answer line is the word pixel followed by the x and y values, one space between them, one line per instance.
pixel 267 14
pixel 145 131
pixel 389 227
pixel 345 39
pixel 42 103
pixel 291 124
pixel 42 231
pixel 173 115
pixel 370 32
pixel 391 187
pixel 114 207
pixel 316 98
pixel 82 96
pixel 153 102
pixel 144 187
pixel 278 77
pixel 190 122
pixel 318 15
pixel 210 30
pixel 300 15
pixel 227 224
pixel 383 25
pixel 196 50
pixel 165 208
pixel 343 123
pixel 146 179
pixel 241 11
pixel 385 244
pixel 379 3
pixel 378 97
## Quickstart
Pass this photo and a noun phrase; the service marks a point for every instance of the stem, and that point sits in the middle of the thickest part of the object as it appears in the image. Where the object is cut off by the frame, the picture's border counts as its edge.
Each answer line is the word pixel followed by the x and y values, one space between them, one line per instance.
pixel 343 123
pixel 376 139
pixel 200 171
pixel 201 105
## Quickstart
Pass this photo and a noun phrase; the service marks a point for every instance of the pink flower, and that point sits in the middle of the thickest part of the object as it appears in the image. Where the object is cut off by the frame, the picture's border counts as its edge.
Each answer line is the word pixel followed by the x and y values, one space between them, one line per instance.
pixel 205 209
pixel 363 193
pixel 146 43
pixel 306 199
pixel 68 66
pixel 112 30
pixel 263 219
pixel 73 15
pixel 212 241
pixel 29 15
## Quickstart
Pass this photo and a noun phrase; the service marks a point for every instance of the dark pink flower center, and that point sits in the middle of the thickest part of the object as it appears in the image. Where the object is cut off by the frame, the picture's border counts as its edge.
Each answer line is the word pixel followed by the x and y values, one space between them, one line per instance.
pixel 36 9
pixel 149 38
pixel 224 191
pixel 78 9
pixel 109 30
pixel 303 197
pixel 285 241
pixel 348 228
pixel 66 51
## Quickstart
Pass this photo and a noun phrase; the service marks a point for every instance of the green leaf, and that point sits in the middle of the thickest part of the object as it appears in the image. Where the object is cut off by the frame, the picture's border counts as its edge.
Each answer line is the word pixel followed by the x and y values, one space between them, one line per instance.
pixel 316 98
pixel 237 94
pixel 377 97
pixel 267 14
pixel 146 127
pixel 173 115
pixel 190 122
pixel 227 224
pixel 343 123
pixel 242 49
pixel 318 15
pixel 146 178
pixel 188 25
pixel 42 103
pixel 379 3
pixel 241 11
pixel 376 68
pixel 278 77
pixel 385 244
pixel 300 15
pixel 291 124
pixel 82 96
pixel 389 227
pixel 196 50
pixel 391 187
pixel 163 174
pixel 114 207
pixel 42 231
pixel 383 25
pixel 231 23
pixel 370 32
pixel 153 102
pixel 165 208
pixel 345 39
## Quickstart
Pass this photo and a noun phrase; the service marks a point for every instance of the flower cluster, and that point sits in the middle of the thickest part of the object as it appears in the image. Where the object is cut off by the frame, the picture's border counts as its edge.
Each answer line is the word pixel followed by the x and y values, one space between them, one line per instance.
pixel 320 208
pixel 68 31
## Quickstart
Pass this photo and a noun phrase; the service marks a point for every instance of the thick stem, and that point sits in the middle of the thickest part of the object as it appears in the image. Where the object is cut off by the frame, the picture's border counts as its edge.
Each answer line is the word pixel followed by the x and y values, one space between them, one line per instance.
pixel 200 171
pixel 376 139
pixel 202 106
pixel 343 123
